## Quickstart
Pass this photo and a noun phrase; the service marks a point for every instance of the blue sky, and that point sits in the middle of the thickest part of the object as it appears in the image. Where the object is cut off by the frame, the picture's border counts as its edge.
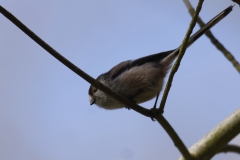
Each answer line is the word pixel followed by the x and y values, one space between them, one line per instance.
pixel 44 107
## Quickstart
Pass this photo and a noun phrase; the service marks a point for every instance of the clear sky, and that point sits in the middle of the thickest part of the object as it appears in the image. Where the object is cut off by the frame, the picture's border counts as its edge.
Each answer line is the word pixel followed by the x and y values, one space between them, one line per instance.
pixel 44 108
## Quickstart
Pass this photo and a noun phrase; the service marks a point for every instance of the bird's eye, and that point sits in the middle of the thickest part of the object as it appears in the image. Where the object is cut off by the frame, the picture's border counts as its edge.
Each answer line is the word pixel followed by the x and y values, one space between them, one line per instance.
pixel 94 89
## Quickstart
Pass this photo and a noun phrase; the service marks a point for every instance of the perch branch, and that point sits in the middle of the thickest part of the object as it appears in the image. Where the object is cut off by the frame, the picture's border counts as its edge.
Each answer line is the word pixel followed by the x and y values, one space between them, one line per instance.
pixel 175 138
pixel 73 67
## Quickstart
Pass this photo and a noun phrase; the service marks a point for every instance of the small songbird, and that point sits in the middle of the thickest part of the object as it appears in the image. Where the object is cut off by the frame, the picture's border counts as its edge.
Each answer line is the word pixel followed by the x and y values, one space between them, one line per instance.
pixel 142 79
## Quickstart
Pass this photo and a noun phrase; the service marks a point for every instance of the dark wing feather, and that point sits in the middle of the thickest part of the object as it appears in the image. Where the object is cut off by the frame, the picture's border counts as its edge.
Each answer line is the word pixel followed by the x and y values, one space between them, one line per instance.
pixel 151 58
pixel 126 65
pixel 118 69
pixel 123 66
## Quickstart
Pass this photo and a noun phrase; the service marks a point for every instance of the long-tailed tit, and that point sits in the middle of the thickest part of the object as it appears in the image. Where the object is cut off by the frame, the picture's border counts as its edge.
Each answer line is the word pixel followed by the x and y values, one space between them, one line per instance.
pixel 142 79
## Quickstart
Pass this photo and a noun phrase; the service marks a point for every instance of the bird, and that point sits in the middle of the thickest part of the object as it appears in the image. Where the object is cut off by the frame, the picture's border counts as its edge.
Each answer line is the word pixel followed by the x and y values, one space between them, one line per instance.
pixel 142 79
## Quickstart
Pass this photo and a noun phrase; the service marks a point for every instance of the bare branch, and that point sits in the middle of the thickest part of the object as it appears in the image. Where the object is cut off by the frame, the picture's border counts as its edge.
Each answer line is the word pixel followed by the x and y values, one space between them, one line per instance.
pixel 149 113
pixel 230 148
pixel 73 67
pixel 174 136
pixel 180 56
pixel 214 41
pixel 214 141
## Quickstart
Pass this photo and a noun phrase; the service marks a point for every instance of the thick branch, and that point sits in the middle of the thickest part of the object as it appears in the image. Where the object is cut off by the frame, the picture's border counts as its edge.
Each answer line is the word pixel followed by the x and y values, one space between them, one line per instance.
pixel 217 44
pixel 180 56
pixel 214 141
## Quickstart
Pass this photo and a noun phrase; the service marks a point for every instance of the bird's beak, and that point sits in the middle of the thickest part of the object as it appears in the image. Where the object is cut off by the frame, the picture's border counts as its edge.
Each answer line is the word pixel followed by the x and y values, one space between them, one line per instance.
pixel 92 101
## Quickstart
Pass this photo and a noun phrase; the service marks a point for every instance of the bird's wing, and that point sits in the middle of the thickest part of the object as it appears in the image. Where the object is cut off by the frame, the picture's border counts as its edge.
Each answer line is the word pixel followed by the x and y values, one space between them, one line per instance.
pixel 126 65
pixel 151 58
pixel 121 67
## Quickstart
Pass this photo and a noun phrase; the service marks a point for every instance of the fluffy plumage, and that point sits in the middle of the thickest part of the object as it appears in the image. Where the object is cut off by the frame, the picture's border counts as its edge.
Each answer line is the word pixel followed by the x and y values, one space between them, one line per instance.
pixel 142 79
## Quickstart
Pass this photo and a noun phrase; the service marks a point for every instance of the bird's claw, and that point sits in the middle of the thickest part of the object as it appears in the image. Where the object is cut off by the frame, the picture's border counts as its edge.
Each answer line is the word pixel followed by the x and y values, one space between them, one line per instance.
pixel 133 101
pixel 153 119
pixel 127 107
pixel 155 112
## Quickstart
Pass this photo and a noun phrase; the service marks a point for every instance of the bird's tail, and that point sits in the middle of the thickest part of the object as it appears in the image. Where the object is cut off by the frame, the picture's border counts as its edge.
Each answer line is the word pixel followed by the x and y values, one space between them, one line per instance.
pixel 170 58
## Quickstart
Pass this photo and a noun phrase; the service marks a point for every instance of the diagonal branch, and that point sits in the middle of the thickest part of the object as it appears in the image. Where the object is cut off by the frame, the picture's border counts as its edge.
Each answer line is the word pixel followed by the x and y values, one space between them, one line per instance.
pixel 180 56
pixel 168 128
pixel 174 136
pixel 73 67
pixel 217 44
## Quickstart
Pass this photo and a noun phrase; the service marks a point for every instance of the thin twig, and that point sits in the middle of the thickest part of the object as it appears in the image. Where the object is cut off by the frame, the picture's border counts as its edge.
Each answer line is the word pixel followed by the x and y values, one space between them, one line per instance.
pixel 216 139
pixel 230 148
pixel 214 41
pixel 180 56
pixel 175 138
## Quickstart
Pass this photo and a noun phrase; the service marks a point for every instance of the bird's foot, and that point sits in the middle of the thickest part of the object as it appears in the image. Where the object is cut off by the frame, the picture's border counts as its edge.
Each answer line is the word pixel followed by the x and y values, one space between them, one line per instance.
pixel 133 101
pixel 127 107
pixel 155 112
